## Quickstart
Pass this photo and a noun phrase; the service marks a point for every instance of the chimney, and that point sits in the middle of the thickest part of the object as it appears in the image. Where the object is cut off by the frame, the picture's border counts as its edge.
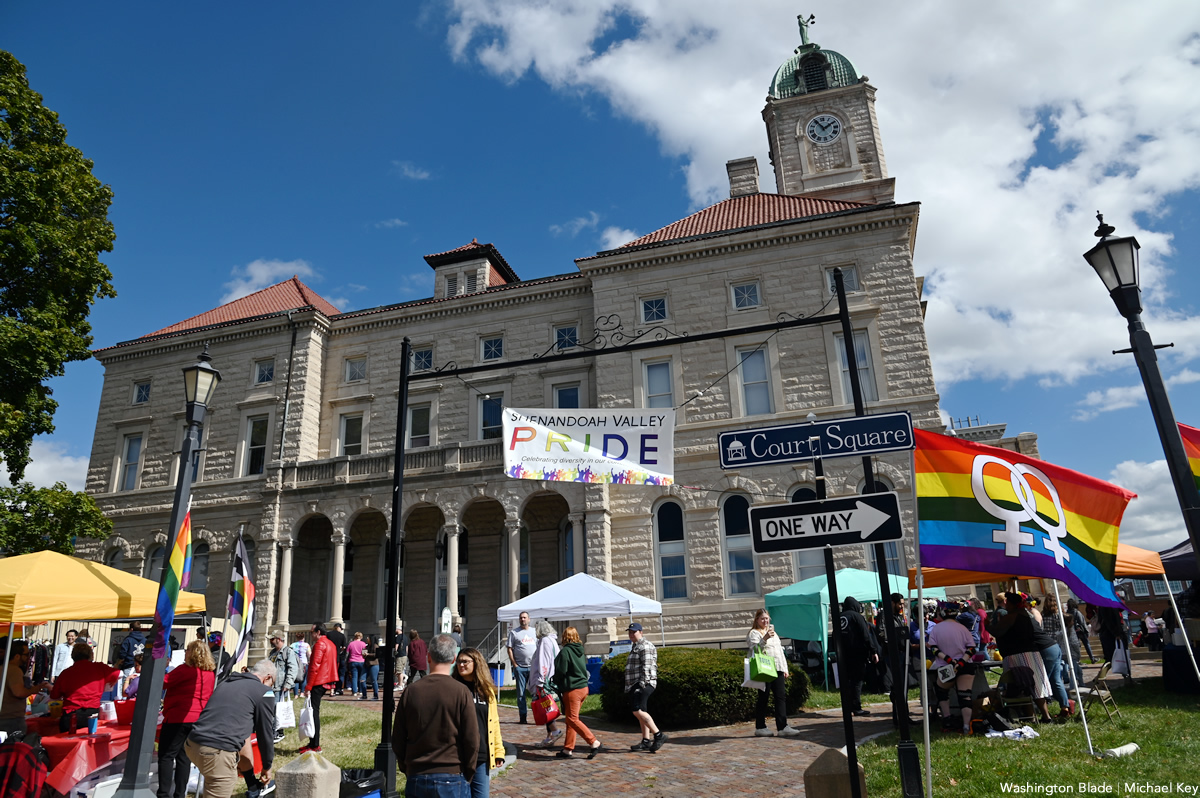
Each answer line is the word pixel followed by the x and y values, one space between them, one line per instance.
pixel 743 176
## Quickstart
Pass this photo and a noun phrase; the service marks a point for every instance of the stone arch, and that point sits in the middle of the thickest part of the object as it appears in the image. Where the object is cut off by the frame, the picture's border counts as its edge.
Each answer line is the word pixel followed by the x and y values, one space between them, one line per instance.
pixel 542 518
pixel 364 574
pixel 311 570
pixel 118 543
pixel 422 525
pixel 482 551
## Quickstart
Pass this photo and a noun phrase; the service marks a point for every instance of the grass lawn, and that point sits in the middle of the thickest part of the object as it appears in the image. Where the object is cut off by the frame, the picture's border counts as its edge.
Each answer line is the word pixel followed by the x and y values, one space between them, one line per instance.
pixel 1163 724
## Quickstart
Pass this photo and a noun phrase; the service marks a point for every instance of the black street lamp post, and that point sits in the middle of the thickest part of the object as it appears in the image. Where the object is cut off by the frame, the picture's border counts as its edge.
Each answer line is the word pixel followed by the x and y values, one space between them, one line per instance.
pixel 199 382
pixel 1115 259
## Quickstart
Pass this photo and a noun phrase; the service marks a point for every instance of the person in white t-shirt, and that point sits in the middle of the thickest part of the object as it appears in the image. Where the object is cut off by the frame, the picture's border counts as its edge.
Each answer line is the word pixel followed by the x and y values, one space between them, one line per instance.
pixel 62 655
pixel 522 642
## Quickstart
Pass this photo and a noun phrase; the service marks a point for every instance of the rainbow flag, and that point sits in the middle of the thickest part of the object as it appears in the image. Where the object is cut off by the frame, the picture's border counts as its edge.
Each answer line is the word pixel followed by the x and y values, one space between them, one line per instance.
pixel 176 577
pixel 981 508
pixel 240 610
pixel 1191 445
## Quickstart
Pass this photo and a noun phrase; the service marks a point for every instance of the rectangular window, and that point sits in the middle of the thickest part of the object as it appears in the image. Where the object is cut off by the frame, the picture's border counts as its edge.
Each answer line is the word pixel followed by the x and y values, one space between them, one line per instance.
pixel 741 569
pixel 671 552
pixel 493 348
pixel 352 429
pixel 866 373
pixel 566 396
pixel 1141 588
pixel 472 283
pixel 141 393
pixel 566 337
pixel 745 296
pixel 490 416
pixel 659 392
pixel 422 359
pixel 1159 587
pixel 356 369
pixel 131 458
pixel 891 552
pixel 264 371
pixel 451 285
pixel 756 382
pixel 849 279
pixel 654 309
pixel 1176 586
pixel 418 425
pixel 809 563
pixel 256 444
pixel 739 551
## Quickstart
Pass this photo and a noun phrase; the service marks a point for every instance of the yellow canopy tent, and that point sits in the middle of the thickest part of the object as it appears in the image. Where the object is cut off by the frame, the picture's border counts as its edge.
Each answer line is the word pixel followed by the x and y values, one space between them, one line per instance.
pixel 48 586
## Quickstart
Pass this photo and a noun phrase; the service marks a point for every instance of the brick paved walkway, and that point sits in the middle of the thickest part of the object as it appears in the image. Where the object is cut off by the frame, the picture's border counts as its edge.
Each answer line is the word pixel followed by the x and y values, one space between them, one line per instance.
pixel 718 761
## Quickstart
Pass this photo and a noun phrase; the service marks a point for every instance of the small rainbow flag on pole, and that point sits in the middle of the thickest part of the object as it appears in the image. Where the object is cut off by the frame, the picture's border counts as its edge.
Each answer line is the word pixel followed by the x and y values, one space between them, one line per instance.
pixel 176 578
pixel 981 508
pixel 1191 445
pixel 240 611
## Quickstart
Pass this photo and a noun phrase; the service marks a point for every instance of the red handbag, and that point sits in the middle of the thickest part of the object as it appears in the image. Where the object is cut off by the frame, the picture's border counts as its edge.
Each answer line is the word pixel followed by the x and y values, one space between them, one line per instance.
pixel 544 708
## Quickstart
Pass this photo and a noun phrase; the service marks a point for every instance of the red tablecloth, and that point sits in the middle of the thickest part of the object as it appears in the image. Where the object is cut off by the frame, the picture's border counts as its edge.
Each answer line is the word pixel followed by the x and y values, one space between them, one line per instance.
pixel 73 757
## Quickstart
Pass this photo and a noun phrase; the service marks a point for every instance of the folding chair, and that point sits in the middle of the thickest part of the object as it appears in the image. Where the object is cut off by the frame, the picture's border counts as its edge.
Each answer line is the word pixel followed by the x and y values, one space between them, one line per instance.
pixel 1098 691
pixel 1018 701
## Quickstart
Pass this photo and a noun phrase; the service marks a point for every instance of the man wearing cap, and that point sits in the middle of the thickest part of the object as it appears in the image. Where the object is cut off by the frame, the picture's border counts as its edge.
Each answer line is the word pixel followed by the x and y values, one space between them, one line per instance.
pixel 641 677
pixel 287 668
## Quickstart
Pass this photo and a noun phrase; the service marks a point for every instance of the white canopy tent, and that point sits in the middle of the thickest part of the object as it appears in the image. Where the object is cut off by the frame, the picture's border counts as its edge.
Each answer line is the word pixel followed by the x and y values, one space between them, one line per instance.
pixel 578 597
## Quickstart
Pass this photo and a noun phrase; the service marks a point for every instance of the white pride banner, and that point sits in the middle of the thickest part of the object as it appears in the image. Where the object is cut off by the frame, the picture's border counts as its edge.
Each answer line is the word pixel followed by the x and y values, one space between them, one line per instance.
pixel 620 447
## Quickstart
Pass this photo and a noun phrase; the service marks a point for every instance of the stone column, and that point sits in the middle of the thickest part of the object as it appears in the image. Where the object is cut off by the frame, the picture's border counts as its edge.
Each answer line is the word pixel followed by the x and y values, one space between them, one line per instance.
pixel 579 564
pixel 339 574
pixel 513 528
pixel 285 583
pixel 599 563
pixel 452 532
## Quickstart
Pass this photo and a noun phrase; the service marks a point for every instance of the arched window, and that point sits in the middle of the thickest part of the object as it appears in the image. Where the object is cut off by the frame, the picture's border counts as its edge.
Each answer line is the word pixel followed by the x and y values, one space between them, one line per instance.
pixel 740 568
pixel 672 555
pixel 199 580
pixel 893 551
pixel 154 563
pixel 804 494
pixel 813 73
pixel 115 559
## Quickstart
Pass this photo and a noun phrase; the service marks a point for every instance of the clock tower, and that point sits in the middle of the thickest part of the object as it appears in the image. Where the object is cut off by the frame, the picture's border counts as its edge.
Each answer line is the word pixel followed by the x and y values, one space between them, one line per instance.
pixel 822 128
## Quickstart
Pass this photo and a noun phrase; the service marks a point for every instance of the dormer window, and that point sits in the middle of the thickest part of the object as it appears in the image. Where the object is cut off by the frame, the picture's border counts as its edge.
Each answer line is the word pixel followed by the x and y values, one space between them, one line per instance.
pixel 451 285
pixel 813 74
pixel 472 283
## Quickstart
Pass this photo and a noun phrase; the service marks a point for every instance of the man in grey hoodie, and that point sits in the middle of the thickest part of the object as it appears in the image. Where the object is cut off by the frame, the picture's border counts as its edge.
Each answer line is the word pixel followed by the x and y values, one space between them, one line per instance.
pixel 242 704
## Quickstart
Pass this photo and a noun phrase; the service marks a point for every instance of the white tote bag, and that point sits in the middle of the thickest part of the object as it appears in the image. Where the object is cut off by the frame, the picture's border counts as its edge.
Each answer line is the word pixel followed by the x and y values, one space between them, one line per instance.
pixel 307 726
pixel 747 681
pixel 1120 660
pixel 285 715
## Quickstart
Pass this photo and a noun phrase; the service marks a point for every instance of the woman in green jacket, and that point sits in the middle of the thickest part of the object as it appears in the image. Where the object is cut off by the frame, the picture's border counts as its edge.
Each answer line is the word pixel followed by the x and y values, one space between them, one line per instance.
pixel 571 679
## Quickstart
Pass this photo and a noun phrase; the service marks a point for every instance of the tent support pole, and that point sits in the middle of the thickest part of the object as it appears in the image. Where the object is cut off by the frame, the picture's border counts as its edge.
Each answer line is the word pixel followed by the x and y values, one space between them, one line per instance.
pixel 1062 624
pixel 7 657
pixel 1179 620
pixel 921 629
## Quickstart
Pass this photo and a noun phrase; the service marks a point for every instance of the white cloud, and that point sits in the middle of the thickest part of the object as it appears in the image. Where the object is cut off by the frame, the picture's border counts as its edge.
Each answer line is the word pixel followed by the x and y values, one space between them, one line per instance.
pixel 964 94
pixel 613 237
pixel 411 171
pixel 391 223
pixel 259 274
pixel 1123 396
pixel 1153 520
pixel 576 225
pixel 50 463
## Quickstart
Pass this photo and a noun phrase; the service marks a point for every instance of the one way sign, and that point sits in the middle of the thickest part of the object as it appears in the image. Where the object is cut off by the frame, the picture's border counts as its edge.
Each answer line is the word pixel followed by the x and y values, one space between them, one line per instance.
pixel 870 518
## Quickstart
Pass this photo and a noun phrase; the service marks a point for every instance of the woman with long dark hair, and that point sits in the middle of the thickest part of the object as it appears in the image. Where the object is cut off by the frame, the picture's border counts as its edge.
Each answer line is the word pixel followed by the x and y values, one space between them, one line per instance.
pixel 471 669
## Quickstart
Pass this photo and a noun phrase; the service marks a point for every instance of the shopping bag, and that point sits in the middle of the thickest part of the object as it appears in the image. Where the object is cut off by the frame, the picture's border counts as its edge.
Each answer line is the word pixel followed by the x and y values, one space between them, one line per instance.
pixel 544 708
pixel 747 681
pixel 285 715
pixel 1120 660
pixel 308 726
pixel 762 665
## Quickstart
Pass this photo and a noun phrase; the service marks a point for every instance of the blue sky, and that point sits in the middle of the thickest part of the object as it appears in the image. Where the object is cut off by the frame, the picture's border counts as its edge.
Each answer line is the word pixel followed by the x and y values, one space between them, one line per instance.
pixel 245 144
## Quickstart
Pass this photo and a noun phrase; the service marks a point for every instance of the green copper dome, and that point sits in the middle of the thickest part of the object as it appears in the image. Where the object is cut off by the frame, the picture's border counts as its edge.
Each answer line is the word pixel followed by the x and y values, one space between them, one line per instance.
pixel 812 69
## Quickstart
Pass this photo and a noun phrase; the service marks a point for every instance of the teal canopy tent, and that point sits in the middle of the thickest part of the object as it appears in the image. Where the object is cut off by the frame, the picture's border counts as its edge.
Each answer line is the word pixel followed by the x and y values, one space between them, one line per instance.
pixel 801 611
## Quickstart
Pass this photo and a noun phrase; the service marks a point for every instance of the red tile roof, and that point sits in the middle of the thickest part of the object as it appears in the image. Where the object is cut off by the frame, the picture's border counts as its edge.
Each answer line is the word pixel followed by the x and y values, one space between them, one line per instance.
pixel 288 295
pixel 473 251
pixel 737 213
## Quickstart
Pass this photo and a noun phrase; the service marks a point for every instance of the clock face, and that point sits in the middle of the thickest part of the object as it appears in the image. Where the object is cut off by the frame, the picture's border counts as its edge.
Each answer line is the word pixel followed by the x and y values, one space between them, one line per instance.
pixel 823 128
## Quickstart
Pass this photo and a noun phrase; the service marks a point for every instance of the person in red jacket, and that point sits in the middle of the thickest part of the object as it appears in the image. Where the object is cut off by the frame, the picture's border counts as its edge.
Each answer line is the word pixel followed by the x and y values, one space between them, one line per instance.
pixel 418 656
pixel 185 692
pixel 322 676
pixel 80 687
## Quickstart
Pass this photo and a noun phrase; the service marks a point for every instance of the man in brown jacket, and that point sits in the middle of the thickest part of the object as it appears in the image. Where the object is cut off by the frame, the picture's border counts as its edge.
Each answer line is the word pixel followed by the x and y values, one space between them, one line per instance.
pixel 436 736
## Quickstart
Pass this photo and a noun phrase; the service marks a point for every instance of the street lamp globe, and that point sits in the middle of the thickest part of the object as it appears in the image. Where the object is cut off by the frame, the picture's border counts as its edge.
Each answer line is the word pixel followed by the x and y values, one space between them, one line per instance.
pixel 1115 259
pixel 200 380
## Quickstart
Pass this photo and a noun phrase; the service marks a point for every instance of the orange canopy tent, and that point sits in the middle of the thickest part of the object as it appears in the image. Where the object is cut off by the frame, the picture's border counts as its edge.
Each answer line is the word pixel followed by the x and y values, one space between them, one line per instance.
pixel 1131 561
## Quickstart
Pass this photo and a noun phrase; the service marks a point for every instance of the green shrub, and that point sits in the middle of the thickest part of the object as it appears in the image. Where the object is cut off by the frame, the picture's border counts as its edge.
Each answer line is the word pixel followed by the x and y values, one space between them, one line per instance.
pixel 696 687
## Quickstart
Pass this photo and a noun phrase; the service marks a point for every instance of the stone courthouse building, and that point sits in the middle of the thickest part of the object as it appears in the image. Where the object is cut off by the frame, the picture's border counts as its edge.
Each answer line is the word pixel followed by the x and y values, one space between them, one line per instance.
pixel 300 441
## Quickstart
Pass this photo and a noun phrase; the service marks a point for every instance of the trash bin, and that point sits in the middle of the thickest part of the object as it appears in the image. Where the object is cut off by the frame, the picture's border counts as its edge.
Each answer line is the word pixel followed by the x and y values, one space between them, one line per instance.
pixel 593 665
pixel 497 674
